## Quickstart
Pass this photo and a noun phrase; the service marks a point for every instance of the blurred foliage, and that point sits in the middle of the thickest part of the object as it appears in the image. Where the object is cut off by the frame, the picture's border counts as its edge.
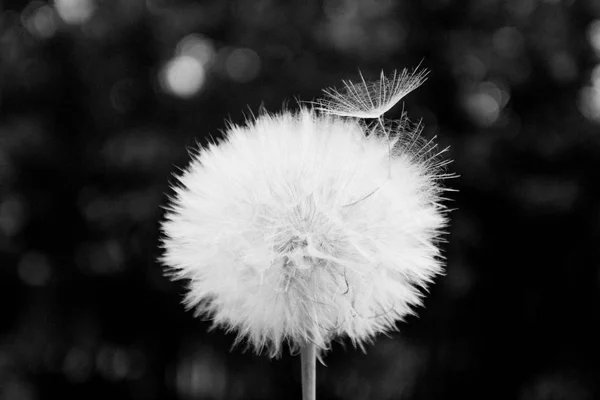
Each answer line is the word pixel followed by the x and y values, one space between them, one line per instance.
pixel 101 100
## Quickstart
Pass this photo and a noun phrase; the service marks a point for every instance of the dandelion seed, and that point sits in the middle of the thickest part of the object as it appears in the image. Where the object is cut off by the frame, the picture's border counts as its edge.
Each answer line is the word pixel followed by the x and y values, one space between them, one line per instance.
pixel 370 100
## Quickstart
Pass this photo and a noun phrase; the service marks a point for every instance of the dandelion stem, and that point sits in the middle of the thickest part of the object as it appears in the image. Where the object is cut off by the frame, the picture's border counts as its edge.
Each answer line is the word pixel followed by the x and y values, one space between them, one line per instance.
pixel 309 371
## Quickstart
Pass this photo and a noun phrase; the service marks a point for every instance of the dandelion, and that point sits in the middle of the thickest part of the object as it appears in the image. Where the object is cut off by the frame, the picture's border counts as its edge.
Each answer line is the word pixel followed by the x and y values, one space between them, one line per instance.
pixel 303 227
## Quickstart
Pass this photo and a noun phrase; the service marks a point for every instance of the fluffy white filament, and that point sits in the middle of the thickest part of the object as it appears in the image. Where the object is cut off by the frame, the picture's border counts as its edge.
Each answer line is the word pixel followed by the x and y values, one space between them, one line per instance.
pixel 303 227
pixel 370 99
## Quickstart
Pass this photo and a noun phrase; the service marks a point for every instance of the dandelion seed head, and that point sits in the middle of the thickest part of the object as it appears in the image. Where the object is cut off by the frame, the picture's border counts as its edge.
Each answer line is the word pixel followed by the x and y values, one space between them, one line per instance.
pixel 303 227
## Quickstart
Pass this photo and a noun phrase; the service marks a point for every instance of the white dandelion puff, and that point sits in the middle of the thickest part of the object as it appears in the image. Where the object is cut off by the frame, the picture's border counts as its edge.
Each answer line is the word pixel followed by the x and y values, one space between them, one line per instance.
pixel 370 100
pixel 302 227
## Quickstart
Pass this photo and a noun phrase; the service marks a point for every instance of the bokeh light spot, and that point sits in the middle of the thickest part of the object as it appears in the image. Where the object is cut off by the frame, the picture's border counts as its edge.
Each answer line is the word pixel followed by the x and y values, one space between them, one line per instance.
pixel 75 12
pixel 589 97
pixel 114 363
pixel 106 257
pixel 34 269
pixel 485 103
pixel 40 21
pixel 483 108
pixel 589 103
pixel 508 42
pixel 474 67
pixel 183 76
pixel 595 76
pixel 198 47
pixel 201 375
pixel 242 65
pixel 77 365
pixel 12 216
pixel 594 35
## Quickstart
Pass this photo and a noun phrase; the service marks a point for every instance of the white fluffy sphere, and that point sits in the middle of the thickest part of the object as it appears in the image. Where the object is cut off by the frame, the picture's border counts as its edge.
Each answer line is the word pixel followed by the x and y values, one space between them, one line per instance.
pixel 304 227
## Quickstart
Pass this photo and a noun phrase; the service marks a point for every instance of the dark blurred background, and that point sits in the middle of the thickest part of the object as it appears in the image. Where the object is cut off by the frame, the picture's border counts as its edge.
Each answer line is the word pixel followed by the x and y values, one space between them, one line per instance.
pixel 100 101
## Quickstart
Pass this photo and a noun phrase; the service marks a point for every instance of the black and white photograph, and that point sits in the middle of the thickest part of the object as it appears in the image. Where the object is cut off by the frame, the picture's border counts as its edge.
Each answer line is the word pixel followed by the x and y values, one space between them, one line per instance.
pixel 300 199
